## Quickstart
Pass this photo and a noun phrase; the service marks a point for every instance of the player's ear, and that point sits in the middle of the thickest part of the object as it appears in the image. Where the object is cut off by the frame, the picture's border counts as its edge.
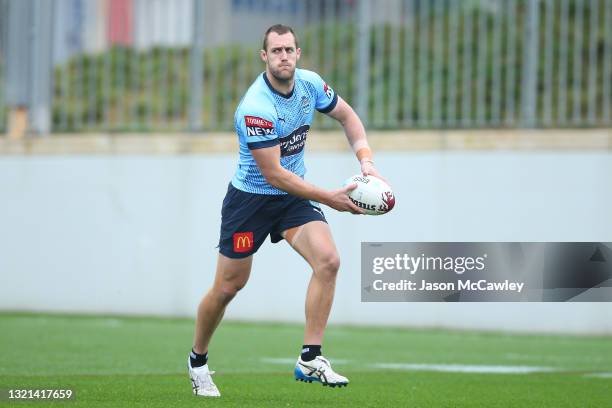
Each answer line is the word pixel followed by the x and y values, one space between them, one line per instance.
pixel 263 55
pixel 298 52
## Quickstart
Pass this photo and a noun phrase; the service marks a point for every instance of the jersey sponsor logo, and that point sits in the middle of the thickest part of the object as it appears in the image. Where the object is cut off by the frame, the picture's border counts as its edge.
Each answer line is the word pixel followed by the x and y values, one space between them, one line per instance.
pixel 328 91
pixel 243 241
pixel 294 142
pixel 258 126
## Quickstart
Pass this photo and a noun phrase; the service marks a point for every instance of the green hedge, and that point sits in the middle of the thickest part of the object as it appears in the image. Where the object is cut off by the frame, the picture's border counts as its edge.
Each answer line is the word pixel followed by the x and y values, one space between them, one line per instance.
pixel 155 91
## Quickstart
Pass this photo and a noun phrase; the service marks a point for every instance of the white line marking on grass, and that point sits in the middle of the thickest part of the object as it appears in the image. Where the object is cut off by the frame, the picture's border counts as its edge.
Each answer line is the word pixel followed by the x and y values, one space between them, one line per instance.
pixel 283 361
pixel 461 368
pixel 107 322
pixel 552 357
pixel 599 375
pixel 278 360
pixel 449 368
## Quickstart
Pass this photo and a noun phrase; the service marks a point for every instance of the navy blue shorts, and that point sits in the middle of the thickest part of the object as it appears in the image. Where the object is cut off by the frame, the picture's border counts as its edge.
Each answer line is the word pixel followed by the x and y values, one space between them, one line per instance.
pixel 247 219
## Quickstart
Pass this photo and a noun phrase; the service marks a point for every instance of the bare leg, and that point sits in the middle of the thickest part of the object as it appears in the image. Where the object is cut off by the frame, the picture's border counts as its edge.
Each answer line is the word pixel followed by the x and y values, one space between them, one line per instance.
pixel 315 243
pixel 231 276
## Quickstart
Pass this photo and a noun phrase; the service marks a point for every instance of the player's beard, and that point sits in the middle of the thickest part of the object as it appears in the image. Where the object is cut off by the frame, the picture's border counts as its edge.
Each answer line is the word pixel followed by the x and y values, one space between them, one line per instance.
pixel 283 75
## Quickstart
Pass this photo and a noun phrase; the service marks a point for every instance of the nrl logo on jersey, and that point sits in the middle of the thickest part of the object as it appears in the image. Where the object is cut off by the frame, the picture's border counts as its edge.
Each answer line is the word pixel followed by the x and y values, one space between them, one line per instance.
pixel 256 126
pixel 305 105
pixel 327 89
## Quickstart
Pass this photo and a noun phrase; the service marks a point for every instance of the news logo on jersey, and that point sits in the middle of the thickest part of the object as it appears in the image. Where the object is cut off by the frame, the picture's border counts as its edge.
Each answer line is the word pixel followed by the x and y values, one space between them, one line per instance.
pixel 257 126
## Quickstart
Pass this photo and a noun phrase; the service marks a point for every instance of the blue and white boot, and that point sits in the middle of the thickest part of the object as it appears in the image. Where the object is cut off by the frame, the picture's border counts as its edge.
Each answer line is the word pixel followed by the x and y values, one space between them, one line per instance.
pixel 318 370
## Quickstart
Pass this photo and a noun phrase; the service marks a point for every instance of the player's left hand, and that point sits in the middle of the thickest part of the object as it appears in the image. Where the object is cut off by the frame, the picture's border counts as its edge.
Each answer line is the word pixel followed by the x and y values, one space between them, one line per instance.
pixel 367 169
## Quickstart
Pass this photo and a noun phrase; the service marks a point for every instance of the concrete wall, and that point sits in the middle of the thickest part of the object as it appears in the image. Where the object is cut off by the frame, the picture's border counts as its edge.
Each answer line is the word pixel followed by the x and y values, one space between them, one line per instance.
pixel 137 234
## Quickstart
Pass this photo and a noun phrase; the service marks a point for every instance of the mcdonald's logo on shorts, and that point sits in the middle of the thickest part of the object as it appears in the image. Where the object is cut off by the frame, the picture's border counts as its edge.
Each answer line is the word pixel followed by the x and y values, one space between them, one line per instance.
pixel 243 241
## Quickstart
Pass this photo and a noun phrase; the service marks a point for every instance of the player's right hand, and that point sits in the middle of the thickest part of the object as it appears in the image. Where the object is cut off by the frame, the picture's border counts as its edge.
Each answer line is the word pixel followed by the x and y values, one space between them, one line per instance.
pixel 340 201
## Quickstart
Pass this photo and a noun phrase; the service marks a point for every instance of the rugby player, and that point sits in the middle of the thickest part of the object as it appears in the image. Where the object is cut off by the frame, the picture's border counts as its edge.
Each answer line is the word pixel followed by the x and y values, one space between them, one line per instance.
pixel 269 196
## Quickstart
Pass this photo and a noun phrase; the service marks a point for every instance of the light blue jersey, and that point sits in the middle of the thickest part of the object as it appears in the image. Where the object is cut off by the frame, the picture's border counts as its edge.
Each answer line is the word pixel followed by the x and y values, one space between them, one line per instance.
pixel 267 118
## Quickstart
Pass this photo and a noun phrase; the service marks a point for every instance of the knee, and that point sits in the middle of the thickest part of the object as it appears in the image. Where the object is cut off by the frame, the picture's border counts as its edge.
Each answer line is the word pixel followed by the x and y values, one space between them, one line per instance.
pixel 227 291
pixel 329 265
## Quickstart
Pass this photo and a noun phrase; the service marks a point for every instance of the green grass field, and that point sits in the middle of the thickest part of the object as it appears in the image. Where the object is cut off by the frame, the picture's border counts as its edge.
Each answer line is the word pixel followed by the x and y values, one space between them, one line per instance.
pixel 141 362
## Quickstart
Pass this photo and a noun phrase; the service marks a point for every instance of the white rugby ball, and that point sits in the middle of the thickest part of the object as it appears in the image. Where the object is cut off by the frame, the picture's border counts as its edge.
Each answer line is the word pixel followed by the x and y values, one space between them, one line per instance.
pixel 372 194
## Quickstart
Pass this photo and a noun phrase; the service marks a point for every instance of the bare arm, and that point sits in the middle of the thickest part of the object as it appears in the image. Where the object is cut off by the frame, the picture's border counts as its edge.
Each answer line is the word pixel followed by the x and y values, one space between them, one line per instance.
pixel 356 135
pixel 353 128
pixel 268 161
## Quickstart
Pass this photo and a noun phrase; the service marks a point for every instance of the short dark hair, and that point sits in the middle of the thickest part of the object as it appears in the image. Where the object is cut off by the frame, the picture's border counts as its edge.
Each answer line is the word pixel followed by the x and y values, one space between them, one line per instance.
pixel 278 29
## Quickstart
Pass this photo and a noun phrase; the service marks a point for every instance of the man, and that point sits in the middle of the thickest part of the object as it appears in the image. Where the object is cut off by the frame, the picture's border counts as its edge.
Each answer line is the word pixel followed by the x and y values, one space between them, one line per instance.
pixel 268 196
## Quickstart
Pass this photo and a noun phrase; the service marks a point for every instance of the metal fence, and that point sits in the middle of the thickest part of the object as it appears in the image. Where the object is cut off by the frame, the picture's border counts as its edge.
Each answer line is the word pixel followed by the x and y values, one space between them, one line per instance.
pixel 3 52
pixel 165 65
